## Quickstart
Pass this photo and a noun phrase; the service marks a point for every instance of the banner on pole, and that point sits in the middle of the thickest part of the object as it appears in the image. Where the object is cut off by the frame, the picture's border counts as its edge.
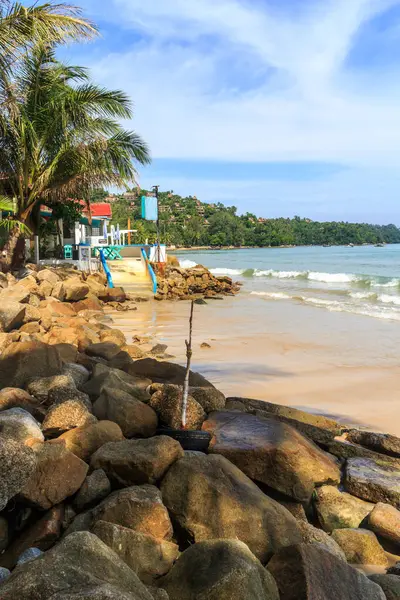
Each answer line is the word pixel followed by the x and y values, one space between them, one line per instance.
pixel 149 208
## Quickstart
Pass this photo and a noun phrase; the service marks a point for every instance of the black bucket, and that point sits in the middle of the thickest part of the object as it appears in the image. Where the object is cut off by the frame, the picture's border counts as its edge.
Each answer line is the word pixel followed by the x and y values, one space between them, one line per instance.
pixel 189 439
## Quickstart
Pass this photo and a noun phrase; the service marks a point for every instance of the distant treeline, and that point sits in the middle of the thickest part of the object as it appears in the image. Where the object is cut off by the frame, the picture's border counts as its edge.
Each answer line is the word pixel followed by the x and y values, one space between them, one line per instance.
pixel 189 222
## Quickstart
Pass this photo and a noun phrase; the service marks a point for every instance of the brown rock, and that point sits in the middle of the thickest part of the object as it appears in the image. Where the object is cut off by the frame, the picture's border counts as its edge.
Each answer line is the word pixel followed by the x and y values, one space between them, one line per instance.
pixel 89 303
pixel 166 372
pixel 379 442
pixel 139 508
pixel 306 572
pixel 17 463
pixel 384 520
pixel 55 308
pixel 65 416
pixel 390 584
pixel 134 351
pixel 62 335
pixel 94 489
pixel 116 294
pixel 135 418
pixel 58 475
pixel 75 290
pixel 114 336
pixel 31 328
pixel 168 405
pixel 338 510
pixel 45 289
pixel 133 462
pixel 32 314
pixel 210 498
pixel 48 275
pixel 271 452
pixel 147 556
pixel 16 398
pixel 21 362
pixel 57 388
pixel 42 534
pixel 313 535
pixel 210 399
pixel 106 350
pixel 377 481
pixel 104 377
pixel 360 546
pixel 84 441
pixel 219 570
pixel 11 315
pixel 344 449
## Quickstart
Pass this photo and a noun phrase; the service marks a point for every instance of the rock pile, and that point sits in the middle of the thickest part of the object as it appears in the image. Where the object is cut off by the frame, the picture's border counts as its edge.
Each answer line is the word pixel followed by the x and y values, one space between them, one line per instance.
pixel 97 504
pixel 177 283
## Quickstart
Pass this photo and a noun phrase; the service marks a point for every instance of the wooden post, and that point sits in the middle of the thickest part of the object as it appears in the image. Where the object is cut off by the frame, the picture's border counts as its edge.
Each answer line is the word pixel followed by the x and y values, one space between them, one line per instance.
pixel 187 374
pixel 129 232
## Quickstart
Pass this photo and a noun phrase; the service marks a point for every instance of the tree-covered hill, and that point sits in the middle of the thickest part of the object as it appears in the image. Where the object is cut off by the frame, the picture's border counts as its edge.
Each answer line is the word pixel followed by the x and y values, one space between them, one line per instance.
pixel 189 222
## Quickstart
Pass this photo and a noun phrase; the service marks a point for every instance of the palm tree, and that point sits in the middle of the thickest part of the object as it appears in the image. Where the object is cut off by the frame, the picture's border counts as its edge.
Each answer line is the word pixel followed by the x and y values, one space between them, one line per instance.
pixel 60 138
pixel 20 26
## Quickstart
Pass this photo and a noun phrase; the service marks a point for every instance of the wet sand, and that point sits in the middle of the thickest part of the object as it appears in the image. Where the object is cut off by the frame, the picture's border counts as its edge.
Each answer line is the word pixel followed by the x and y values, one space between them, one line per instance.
pixel 340 365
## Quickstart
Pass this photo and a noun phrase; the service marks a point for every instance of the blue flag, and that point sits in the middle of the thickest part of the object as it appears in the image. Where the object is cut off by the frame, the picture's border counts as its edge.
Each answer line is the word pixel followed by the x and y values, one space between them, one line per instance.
pixel 149 208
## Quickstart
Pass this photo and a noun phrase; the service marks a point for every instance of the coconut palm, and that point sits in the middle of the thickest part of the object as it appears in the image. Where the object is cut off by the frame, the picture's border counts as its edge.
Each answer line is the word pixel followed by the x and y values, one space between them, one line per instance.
pixel 60 138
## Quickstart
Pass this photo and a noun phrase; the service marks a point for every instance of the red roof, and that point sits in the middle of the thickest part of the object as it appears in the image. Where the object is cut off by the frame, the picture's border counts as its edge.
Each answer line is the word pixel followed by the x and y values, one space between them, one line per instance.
pixel 101 209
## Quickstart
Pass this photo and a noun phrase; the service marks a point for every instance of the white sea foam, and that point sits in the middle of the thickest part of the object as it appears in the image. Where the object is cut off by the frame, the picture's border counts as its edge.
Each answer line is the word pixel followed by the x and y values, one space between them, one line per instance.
pixel 187 264
pixel 273 295
pixel 332 277
pixel 279 274
pixel 388 284
pixel 225 271
pixel 388 299
pixel 363 295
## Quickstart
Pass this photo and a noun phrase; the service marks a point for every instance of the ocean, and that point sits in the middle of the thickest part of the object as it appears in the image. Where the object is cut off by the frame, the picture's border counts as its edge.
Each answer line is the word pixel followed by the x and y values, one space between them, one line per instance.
pixel 361 280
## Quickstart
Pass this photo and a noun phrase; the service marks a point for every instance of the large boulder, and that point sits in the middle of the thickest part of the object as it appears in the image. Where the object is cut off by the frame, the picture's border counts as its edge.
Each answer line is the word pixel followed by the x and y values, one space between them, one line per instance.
pixel 74 290
pixel 97 592
pixel 80 560
pixel 360 546
pixel 106 350
pixel 19 424
pixel 65 416
pixel 94 489
pixel 57 388
pixel 390 585
pixel 316 427
pixel 104 377
pixel 306 572
pixel 135 418
pixel 384 520
pixel 58 475
pixel 52 307
pixel 147 556
pixel 133 462
pixel 116 294
pixel 42 534
pixel 377 481
pixel 84 441
pixel 379 442
pixel 344 449
pixel 48 275
pixel 271 452
pixel 219 570
pixel 166 372
pixel 112 336
pixel 313 535
pixel 79 373
pixel 17 398
pixel 337 510
pixel 210 498
pixel 11 315
pixel 17 463
pixel 167 403
pixel 22 361
pixel 208 397
pixel 139 508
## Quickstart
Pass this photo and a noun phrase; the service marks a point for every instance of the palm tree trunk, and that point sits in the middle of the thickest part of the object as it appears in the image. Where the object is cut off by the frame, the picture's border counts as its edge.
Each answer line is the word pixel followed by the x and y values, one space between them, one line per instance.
pixel 11 250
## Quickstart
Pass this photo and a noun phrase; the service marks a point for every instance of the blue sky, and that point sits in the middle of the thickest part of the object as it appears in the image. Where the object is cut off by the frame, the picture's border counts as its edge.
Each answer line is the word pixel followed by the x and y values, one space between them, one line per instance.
pixel 280 107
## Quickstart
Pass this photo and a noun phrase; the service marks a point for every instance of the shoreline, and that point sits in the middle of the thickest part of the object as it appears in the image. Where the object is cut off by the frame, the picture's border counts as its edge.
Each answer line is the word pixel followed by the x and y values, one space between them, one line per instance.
pixel 221 248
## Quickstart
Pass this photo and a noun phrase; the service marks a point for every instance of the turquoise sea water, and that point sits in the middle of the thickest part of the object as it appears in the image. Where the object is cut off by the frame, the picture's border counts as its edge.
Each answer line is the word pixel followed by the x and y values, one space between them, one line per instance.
pixel 361 280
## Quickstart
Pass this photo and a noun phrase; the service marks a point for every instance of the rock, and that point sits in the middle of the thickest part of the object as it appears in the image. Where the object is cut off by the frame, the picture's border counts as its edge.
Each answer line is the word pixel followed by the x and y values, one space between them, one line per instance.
pixel 29 555
pixel 210 399
pixel 68 353
pixel 32 315
pixel 137 507
pixel 135 418
pixel 42 534
pixel 379 442
pixel 4 574
pixel 157 593
pixel 4 537
pixel 65 416
pixel 210 498
pixel 104 377
pixel 19 425
pixel 316 427
pixel 48 275
pixel 377 481
pixel 343 449
pixel 79 373
pixel 337 510
pixel 58 475
pixel 84 441
pixel 168 405
pixel 45 289
pixel 166 372
pixel 74 290
pixel 80 560
pixel 11 315
pixel 113 336
pixel 54 308
pixel 158 349
pixel 219 570
pixel 94 489
pixel 134 351
pixel 360 546
pixel 16 398
pixel 30 328
pixel 98 592
pixel 148 557
pixel 115 294
pixel 384 520
pixel 312 535
pixel 22 361
pixel 204 345
pixel 394 570
pixel 62 335
pixel 306 572
pixel 133 462
pixel 57 388
pixel 120 361
pixel 17 463
pixel 105 350
pixel 390 585
pixel 271 452
pixel 89 303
